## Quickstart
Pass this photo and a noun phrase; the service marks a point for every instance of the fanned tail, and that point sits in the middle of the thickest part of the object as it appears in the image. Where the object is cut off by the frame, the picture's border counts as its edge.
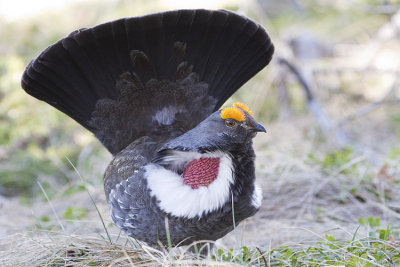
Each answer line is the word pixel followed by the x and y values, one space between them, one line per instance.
pixel 166 61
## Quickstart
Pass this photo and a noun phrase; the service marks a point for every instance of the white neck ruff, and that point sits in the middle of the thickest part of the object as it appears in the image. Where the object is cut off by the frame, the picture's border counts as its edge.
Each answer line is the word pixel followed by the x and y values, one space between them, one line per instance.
pixel 179 199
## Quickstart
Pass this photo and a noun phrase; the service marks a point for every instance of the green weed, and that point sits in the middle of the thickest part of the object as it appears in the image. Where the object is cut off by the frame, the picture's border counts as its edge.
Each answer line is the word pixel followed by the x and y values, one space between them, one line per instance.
pixel 378 249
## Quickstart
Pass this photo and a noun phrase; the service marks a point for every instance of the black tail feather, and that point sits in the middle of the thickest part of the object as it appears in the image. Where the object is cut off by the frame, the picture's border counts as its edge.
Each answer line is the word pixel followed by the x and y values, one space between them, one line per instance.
pixel 223 48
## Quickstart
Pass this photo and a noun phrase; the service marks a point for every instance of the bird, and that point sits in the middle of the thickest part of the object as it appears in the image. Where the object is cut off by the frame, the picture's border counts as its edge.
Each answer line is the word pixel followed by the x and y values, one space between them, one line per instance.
pixel 151 89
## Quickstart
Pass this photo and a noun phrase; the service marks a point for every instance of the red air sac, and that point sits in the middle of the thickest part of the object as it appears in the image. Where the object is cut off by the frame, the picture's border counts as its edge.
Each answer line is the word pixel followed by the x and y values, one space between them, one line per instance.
pixel 201 172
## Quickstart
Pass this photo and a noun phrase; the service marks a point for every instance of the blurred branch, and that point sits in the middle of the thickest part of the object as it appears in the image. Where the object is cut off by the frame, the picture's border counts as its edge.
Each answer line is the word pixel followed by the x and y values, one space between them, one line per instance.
pixel 300 77
pixel 313 105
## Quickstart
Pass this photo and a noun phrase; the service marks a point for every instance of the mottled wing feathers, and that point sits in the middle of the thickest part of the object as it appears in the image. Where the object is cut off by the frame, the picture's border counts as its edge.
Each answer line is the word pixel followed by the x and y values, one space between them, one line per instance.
pixel 192 55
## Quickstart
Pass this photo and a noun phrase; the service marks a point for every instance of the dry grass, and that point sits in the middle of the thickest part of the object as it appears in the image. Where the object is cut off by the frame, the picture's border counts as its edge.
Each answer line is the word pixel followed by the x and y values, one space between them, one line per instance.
pixel 53 248
pixel 303 201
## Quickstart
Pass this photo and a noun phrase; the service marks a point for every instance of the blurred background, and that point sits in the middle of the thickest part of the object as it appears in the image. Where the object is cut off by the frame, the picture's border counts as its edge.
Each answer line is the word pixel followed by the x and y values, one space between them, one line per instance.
pixel 330 100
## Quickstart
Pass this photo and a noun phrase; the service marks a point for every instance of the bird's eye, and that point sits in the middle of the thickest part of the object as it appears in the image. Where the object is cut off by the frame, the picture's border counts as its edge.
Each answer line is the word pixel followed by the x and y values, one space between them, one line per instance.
pixel 230 123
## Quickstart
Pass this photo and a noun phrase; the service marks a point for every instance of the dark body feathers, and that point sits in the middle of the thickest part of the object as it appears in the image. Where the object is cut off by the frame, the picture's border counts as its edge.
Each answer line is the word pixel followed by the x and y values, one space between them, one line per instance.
pixel 132 205
pixel 138 83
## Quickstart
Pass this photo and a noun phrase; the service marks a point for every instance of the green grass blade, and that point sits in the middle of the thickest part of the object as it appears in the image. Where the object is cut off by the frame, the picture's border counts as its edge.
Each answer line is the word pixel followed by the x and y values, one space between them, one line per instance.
pixel 91 198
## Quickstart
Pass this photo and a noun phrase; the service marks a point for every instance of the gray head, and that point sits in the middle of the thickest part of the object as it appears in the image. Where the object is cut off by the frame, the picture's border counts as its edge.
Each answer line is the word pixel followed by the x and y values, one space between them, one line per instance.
pixel 224 130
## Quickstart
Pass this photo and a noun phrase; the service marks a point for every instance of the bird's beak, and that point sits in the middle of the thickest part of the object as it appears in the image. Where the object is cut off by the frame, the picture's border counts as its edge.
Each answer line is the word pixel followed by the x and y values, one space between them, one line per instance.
pixel 259 128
